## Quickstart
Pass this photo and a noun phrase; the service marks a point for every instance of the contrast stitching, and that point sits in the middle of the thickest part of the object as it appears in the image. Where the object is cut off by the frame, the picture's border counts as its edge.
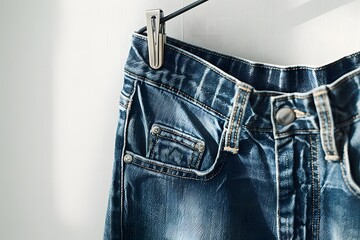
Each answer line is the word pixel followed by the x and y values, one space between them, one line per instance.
pixel 257 129
pixel 288 185
pixel 345 173
pixel 177 92
pixel 121 184
pixel 344 80
pixel 242 106
pixel 233 117
pixel 295 131
pixel 349 121
pixel 198 159
pixel 318 187
pixel 319 93
pixel 226 75
pixel 153 148
pixel 205 64
pixel 176 141
pixel 170 174
pixel 309 95
pixel 263 66
pixel 191 159
pixel 346 181
pixel 312 185
pixel 322 125
pixel 177 133
pixel 281 98
pixel 262 93
pixel 277 188
pixel 328 123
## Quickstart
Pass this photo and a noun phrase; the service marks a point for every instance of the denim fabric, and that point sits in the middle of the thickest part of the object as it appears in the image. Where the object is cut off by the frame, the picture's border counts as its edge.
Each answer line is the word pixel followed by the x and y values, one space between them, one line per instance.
pixel 215 147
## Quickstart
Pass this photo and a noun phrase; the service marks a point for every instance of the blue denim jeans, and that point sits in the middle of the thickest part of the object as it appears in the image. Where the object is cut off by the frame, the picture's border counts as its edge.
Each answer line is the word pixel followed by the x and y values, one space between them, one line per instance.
pixel 216 147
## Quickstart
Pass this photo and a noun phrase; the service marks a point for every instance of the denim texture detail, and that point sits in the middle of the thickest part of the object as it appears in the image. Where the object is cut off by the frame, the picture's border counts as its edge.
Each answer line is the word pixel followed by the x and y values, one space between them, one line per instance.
pixel 212 155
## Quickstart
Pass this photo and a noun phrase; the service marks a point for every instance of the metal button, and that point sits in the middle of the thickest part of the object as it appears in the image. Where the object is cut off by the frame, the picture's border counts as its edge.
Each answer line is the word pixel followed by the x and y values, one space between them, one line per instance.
pixel 155 130
pixel 128 158
pixel 200 146
pixel 285 116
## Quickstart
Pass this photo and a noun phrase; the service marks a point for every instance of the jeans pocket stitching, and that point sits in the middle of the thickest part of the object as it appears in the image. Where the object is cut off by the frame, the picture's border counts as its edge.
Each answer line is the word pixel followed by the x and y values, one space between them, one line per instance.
pixel 346 172
pixel 141 161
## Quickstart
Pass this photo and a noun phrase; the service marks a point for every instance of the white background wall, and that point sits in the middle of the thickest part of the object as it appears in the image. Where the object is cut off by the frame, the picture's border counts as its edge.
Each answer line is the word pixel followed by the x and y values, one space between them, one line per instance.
pixel 61 73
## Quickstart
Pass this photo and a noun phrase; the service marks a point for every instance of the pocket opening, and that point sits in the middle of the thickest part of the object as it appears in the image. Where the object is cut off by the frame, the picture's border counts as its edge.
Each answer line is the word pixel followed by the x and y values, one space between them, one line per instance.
pixel 346 171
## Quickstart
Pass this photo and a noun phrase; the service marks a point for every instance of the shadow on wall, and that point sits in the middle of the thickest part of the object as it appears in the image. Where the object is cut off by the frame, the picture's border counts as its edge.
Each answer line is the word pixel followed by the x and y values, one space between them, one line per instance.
pixel 38 199
pixel 26 98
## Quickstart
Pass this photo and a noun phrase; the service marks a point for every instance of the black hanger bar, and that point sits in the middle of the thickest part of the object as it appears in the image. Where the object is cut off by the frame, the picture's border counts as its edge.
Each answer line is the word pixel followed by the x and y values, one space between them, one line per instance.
pixel 176 13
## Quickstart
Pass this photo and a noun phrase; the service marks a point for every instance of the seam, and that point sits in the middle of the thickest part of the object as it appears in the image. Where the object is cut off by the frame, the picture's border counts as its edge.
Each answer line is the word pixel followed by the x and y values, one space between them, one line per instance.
pixel 310 94
pixel 122 165
pixel 277 189
pixel 257 129
pixel 312 185
pixel 184 52
pixel 329 123
pixel 348 121
pixel 176 92
pixel 209 66
pixel 192 100
pixel 176 141
pixel 335 86
pixel 174 175
pixel 318 189
pixel 346 181
pixel 241 108
pixel 288 185
pixel 232 118
pixel 191 160
pixel 344 170
pixel 153 148
pixel 295 131
pixel 177 133
pixel 258 64
pixel 322 125
pixel 198 159
pixel 214 68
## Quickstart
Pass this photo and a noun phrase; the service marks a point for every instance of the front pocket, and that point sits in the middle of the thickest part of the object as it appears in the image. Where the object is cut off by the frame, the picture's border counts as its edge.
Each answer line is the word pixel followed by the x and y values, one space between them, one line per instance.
pixel 350 163
pixel 175 147
pixel 168 134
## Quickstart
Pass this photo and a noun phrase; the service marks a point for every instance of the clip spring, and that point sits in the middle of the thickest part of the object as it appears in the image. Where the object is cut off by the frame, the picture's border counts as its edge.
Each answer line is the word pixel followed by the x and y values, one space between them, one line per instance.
pixel 156 37
pixel 156 32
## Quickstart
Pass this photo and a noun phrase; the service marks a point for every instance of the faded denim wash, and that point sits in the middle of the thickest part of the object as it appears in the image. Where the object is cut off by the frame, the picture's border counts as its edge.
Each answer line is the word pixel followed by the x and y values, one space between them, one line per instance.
pixel 216 147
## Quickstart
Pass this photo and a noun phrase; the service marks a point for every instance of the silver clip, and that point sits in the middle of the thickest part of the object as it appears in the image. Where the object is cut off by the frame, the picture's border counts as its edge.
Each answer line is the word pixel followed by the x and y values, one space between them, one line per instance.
pixel 156 37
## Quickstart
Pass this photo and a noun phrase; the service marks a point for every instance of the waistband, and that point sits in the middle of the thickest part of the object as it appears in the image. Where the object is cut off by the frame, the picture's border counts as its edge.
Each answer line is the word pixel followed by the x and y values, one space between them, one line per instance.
pixel 250 94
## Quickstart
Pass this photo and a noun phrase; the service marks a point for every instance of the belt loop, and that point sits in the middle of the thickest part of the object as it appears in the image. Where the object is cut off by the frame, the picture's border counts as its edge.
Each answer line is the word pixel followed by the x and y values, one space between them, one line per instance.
pixel 234 127
pixel 327 135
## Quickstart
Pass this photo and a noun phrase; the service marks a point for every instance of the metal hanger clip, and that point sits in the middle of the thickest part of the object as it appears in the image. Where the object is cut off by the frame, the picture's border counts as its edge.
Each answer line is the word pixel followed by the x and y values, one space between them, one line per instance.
pixel 156 37
pixel 156 32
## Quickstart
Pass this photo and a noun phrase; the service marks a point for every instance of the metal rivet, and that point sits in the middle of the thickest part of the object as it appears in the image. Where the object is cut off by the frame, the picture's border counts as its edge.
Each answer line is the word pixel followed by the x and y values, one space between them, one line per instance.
pixel 200 146
pixel 128 158
pixel 285 116
pixel 155 130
